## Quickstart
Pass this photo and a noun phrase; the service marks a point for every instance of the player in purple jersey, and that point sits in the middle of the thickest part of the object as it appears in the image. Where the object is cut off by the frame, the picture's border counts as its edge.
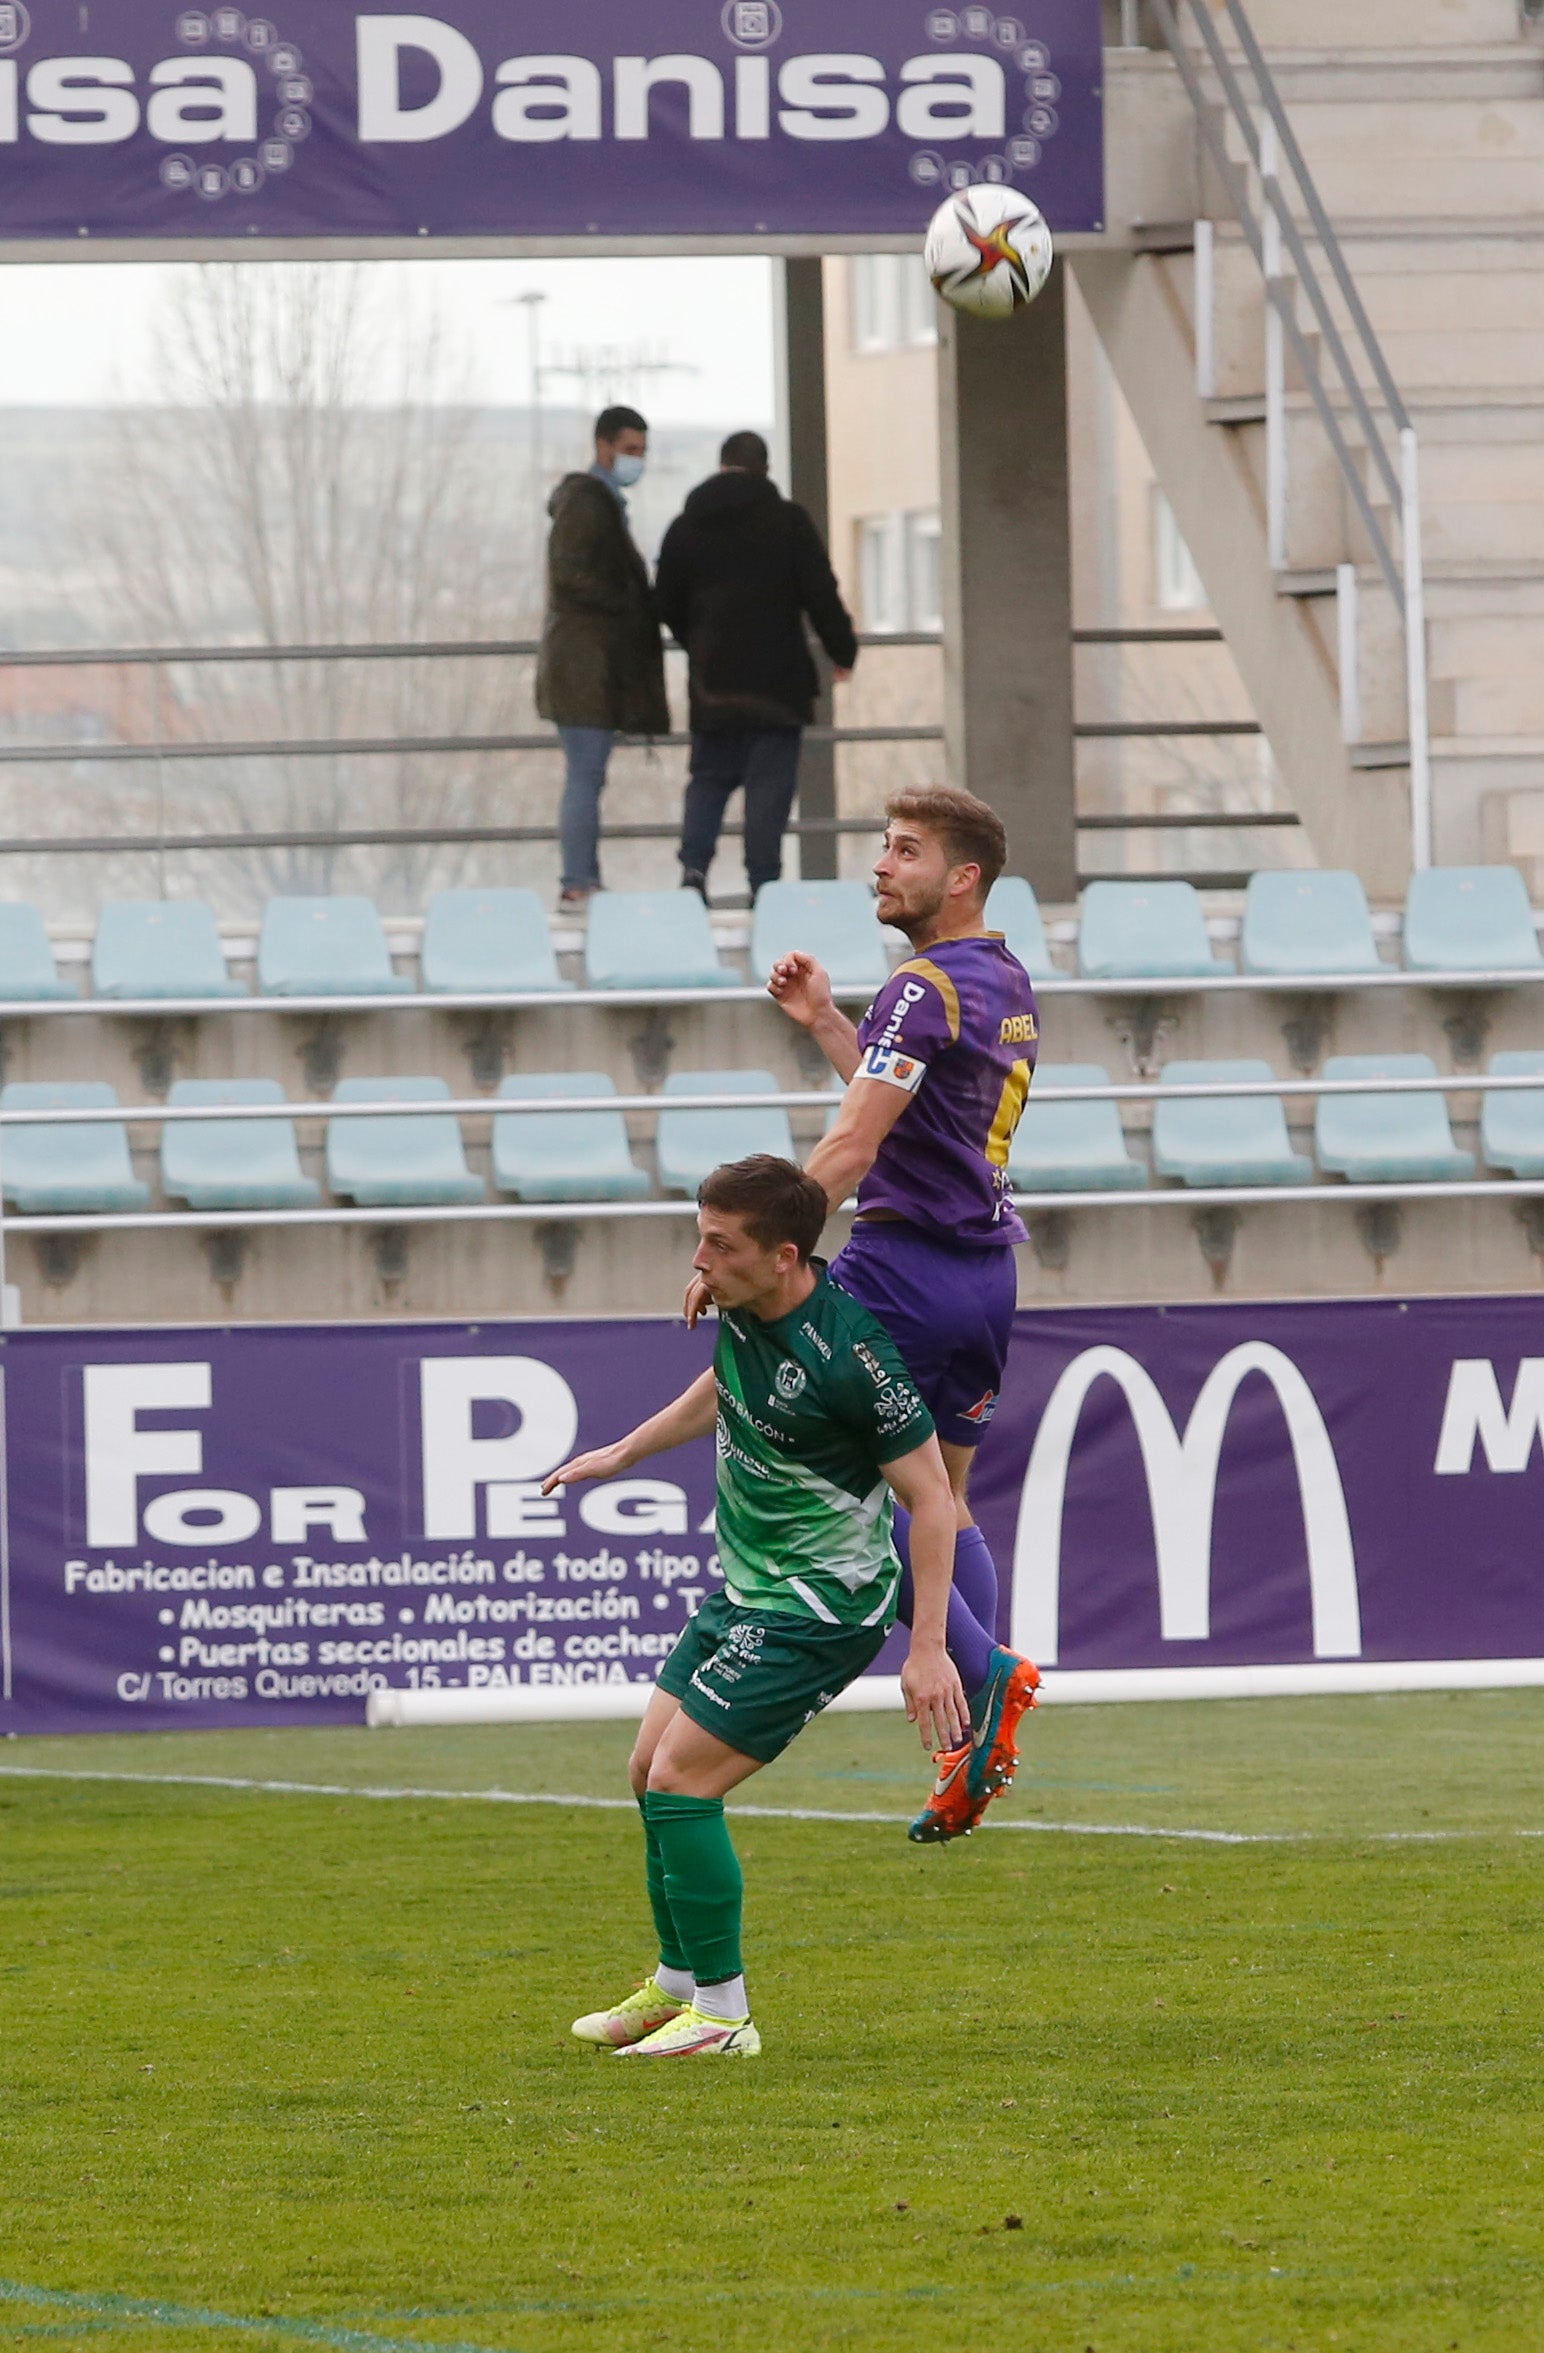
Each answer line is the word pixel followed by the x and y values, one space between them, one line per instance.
pixel 937 1073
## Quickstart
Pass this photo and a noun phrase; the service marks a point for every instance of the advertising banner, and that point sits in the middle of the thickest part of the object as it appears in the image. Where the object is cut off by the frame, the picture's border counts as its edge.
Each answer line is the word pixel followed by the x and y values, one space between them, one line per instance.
pixel 264 1525
pixel 574 118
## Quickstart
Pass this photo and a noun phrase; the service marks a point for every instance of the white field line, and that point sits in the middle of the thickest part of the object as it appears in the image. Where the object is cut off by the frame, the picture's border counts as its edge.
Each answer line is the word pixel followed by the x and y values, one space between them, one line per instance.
pixel 627 1805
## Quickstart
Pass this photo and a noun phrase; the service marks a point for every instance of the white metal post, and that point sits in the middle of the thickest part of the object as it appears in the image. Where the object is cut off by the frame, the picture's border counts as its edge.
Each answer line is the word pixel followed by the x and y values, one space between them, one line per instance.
pixel 1415 651
pixel 1275 357
pixel 1206 310
pixel 1348 651
pixel 1130 24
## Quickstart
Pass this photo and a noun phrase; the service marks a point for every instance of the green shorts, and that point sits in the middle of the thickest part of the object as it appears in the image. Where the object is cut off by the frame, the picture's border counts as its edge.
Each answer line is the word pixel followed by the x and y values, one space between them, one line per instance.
pixel 755 1678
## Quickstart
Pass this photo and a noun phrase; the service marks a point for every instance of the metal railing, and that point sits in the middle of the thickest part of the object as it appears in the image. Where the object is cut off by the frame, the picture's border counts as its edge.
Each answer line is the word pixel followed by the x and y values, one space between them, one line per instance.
pixel 1389 441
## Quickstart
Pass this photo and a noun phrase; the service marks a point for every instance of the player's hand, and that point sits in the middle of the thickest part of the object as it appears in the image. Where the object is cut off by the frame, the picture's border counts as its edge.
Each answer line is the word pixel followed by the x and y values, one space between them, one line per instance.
pixel 802 988
pixel 696 1303
pixel 935 1696
pixel 603 1462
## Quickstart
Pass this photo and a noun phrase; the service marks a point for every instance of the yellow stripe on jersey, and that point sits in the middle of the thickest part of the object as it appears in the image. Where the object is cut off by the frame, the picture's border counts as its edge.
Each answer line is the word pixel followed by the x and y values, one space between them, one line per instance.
pixel 925 969
pixel 1010 1110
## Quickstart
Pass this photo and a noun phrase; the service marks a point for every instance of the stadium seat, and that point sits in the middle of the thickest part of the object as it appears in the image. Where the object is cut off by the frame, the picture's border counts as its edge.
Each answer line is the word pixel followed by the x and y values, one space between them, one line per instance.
pixel 1013 909
pixel 1144 931
pixel 398 1163
pixel 28 973
pixel 233 1163
pixel 1386 1139
pixel 66 1169
pixel 1512 1125
pixel 652 940
pixel 834 921
pixel 1469 919
pixel 325 948
pixel 563 1156
pixel 690 1143
pixel 159 948
pixel 1307 923
pixel 1071 1147
pixel 488 941
pixel 1207 1141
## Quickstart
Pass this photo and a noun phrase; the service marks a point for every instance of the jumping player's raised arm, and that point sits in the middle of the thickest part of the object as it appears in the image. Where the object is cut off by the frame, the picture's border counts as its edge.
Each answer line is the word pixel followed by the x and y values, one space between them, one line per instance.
pixel 692 1415
pixel 935 1696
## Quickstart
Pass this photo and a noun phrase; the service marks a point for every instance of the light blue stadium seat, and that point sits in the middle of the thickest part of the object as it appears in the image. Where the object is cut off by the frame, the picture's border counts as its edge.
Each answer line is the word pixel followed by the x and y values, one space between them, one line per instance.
pixel 1208 1141
pixel 493 941
pixel 1512 1126
pixel 233 1163
pixel 833 921
pixel 28 973
pixel 1308 923
pixel 159 948
pixel 652 940
pixel 1469 919
pixel 1386 1139
pixel 325 948
pixel 690 1143
pixel 1071 1147
pixel 67 1169
pixel 398 1163
pixel 563 1156
pixel 1144 931
pixel 1013 909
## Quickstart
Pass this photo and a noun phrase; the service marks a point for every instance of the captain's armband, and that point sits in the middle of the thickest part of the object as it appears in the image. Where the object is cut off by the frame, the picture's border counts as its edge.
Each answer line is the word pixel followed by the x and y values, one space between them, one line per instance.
pixel 893 1067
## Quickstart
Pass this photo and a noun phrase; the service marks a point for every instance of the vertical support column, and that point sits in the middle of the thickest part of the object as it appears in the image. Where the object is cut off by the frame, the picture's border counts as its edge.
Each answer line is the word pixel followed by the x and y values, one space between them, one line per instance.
pixel 1007 564
pixel 804 360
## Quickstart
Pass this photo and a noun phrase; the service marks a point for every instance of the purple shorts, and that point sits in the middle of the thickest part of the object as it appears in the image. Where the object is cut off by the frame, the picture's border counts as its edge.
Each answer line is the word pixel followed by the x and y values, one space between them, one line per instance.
pixel 949 1309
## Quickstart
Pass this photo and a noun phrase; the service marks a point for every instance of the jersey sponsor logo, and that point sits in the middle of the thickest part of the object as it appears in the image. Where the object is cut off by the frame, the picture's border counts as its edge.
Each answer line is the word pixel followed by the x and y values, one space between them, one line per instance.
pixel 809 1332
pixel 792 1379
pixel 1018 1029
pixel 896 1070
pixel 897 1405
pixel 912 993
pixel 879 1374
pixel 982 1411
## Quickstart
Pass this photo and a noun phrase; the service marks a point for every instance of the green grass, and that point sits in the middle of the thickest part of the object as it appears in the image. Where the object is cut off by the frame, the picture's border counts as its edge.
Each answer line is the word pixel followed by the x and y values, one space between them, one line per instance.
pixel 304 2061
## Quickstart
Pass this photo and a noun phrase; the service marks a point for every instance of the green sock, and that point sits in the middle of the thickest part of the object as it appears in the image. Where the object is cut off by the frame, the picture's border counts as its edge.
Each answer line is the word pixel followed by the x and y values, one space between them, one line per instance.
pixel 703 1884
pixel 654 1871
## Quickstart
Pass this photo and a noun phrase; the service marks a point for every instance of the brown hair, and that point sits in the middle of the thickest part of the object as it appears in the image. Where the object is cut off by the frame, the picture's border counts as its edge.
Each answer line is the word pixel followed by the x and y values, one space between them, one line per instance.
pixel 776 1199
pixel 970 830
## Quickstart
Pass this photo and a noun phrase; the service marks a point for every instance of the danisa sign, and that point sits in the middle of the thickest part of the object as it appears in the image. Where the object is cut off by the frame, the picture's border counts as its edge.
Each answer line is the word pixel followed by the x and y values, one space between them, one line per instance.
pixel 673 118
pixel 267 1525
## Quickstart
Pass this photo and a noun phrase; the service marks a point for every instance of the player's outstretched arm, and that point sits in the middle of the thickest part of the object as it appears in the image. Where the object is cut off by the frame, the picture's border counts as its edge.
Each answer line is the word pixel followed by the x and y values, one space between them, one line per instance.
pixel 692 1415
pixel 842 1159
pixel 803 989
pixel 935 1696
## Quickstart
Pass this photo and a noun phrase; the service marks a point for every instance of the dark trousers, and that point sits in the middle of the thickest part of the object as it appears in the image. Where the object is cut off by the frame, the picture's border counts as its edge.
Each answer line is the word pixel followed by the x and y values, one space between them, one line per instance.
pixel 764 761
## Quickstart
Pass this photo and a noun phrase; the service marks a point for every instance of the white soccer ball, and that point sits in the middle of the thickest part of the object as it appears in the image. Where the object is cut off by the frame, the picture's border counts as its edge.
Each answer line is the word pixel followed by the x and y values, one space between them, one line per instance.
pixel 988 251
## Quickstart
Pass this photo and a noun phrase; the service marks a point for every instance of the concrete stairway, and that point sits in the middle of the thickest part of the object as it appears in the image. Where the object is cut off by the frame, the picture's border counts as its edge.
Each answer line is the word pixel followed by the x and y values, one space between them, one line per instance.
pixel 1422 122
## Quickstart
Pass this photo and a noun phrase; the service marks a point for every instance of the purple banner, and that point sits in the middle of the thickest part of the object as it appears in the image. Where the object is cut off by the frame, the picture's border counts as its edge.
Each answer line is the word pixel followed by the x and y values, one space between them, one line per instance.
pixel 262 1525
pixel 570 118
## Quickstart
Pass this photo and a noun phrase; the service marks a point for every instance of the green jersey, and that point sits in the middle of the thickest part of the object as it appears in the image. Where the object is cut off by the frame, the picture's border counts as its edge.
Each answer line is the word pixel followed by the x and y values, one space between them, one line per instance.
pixel 809 1407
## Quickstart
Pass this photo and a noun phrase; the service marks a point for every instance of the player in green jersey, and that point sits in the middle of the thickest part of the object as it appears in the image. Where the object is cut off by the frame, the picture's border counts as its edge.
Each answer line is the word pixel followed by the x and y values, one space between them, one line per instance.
pixel 819 1433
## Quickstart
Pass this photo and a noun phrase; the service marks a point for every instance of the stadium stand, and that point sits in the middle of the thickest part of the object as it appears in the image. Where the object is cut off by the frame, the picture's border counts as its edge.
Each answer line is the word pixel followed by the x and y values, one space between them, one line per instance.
pixel 493 942
pixel 238 1163
pixel 573 1156
pixel 1144 931
pixel 833 921
pixel 1386 1139
pixel 396 1163
pixel 325 948
pixel 651 940
pixel 1072 1147
pixel 691 1143
pixel 1469 919
pixel 1307 923
pixel 64 1168
pixel 1208 1141
pixel 28 971
pixel 1512 1125
pixel 1013 909
pixel 159 948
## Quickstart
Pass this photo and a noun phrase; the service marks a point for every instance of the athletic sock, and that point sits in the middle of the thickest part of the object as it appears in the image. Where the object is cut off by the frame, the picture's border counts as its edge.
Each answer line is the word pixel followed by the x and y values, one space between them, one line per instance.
pixel 679 1984
pixel 729 2000
pixel 970 1634
pixel 703 1884
pixel 670 1953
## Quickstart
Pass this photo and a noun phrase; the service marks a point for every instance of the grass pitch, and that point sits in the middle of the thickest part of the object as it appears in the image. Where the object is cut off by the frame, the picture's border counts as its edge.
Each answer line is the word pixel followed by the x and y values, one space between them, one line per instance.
pixel 286 2069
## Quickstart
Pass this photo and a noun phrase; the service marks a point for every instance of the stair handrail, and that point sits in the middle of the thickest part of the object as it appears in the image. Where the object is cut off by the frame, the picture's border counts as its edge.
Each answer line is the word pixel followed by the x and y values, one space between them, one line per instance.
pixel 1271 142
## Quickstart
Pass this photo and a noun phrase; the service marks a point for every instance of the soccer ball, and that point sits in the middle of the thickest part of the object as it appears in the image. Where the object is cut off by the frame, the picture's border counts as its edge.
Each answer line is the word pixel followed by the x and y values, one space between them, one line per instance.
pixel 988 251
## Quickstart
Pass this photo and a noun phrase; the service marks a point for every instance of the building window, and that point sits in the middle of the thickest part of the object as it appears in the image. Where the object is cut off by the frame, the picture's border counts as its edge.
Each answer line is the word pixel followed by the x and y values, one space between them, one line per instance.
pixel 892 302
pixel 1179 586
pixel 899 571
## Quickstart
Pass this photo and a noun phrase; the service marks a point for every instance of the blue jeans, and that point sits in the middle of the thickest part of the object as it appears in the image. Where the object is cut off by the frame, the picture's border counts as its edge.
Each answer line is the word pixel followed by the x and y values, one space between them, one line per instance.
pixel 765 761
pixel 586 751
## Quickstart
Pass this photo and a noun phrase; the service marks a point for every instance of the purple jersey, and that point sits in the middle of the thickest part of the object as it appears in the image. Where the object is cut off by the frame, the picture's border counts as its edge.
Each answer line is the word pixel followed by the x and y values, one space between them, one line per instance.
pixel 957 1030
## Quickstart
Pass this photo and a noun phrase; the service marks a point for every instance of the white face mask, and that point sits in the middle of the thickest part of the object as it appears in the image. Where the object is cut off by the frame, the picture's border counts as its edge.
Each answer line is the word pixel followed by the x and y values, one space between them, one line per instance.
pixel 626 470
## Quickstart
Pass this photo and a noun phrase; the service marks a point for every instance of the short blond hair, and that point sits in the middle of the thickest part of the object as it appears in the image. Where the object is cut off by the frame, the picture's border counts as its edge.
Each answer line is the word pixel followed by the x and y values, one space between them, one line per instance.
pixel 970 830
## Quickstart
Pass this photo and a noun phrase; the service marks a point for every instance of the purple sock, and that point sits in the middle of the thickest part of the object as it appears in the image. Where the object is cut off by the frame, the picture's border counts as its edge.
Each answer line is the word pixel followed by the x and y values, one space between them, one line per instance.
pixel 971 1633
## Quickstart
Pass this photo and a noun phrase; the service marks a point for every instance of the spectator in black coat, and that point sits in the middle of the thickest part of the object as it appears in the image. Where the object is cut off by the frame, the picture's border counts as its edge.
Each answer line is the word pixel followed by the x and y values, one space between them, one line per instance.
pixel 740 570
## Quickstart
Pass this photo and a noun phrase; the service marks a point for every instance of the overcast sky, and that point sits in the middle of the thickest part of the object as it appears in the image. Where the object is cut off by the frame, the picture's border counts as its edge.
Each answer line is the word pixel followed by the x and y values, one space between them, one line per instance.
pixel 81 332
